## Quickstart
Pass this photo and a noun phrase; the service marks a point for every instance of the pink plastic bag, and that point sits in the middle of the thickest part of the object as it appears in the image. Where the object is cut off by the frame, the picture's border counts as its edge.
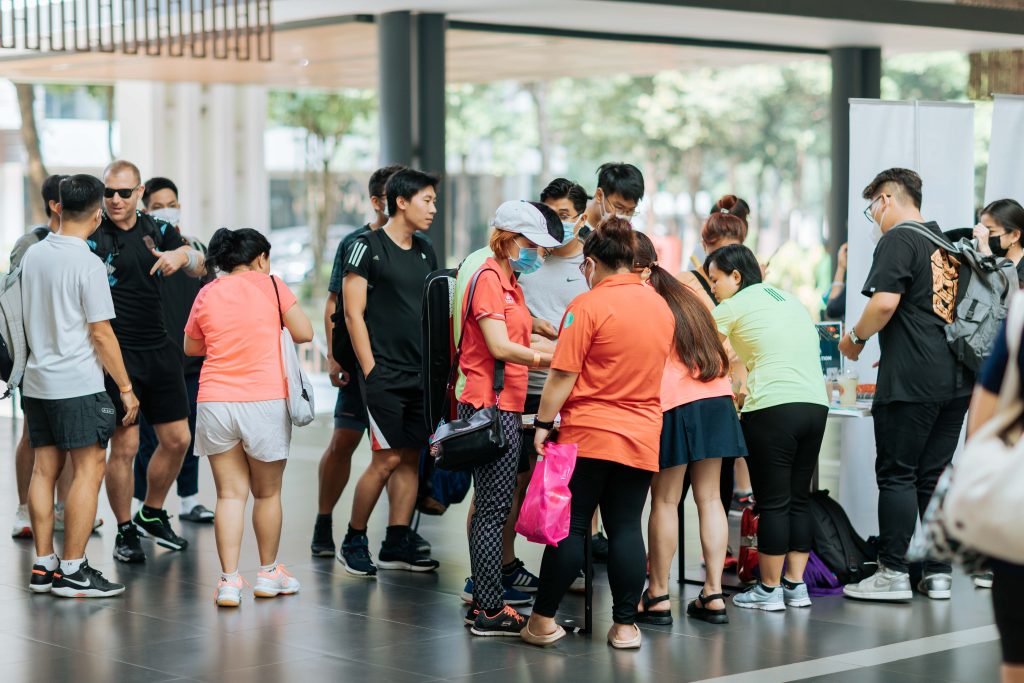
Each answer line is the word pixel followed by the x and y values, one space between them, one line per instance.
pixel 544 517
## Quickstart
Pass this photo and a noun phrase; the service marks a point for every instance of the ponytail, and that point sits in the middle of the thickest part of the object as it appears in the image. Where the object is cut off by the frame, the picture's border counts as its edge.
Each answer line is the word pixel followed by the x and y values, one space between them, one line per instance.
pixel 613 243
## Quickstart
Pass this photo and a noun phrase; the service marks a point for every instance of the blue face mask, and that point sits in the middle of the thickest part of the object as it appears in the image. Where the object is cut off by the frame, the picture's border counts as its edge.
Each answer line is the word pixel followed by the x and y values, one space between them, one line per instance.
pixel 529 261
pixel 568 232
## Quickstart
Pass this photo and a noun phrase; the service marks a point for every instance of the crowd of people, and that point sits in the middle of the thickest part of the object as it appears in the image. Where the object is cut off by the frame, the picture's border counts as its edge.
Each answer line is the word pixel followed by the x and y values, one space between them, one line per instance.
pixel 169 352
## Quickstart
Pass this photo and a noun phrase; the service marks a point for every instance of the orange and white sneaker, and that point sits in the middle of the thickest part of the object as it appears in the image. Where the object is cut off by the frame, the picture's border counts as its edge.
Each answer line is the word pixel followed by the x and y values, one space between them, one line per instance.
pixel 277 582
pixel 229 591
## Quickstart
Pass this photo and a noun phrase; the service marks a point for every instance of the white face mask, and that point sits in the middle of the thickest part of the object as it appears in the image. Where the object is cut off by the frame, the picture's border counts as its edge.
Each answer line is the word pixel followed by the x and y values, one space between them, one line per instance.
pixel 876 233
pixel 171 214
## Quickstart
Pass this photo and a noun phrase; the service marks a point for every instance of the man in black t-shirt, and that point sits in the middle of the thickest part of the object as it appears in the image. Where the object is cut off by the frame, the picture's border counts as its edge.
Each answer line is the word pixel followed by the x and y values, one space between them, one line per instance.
pixel 138 252
pixel 385 272
pixel 922 390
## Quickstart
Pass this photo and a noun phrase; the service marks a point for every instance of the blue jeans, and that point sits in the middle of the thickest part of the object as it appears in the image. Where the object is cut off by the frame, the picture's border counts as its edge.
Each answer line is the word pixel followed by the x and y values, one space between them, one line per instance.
pixel 188 478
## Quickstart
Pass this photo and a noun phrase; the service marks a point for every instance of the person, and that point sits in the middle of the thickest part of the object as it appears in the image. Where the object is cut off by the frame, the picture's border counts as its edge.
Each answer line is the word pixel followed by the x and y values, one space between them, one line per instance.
pixel 999 232
pixel 242 422
pixel 699 430
pixel 68 308
pixel 922 391
pixel 1004 576
pixel 783 418
pixel 497 329
pixel 620 187
pixel 349 410
pixel 138 252
pixel 605 383
pixel 384 276
pixel 835 300
pixel 160 198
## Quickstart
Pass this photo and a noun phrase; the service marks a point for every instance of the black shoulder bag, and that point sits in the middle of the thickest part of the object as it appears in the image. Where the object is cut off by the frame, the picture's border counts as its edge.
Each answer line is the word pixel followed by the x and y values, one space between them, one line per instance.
pixel 462 445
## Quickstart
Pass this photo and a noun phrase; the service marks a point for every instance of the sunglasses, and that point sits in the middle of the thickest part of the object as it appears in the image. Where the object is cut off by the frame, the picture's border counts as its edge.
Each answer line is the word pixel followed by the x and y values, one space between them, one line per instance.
pixel 123 193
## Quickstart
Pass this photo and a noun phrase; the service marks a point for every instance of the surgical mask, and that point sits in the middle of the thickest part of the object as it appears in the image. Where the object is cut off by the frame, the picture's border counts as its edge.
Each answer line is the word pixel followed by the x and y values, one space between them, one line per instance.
pixel 876 233
pixel 171 214
pixel 589 278
pixel 995 243
pixel 568 232
pixel 529 261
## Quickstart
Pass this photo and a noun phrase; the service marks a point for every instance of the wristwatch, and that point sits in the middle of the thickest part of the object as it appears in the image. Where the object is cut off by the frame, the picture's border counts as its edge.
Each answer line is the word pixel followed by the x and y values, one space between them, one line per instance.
pixel 543 425
pixel 857 340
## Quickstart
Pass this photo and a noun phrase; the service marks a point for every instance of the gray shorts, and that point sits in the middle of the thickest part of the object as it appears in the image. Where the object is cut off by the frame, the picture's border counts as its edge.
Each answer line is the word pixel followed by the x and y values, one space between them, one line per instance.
pixel 262 427
pixel 69 423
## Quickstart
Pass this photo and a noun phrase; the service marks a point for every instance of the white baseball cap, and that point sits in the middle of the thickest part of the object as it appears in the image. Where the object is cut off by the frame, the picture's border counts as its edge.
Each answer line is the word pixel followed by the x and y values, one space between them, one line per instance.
pixel 536 222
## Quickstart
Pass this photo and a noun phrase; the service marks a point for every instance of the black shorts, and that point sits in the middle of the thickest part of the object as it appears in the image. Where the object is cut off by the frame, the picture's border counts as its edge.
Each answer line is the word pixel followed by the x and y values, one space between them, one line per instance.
pixel 350 409
pixel 527 452
pixel 158 380
pixel 394 407
pixel 69 423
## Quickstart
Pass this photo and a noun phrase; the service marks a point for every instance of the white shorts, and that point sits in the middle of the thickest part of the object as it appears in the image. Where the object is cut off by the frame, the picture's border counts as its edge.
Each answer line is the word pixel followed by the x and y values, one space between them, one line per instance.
pixel 263 428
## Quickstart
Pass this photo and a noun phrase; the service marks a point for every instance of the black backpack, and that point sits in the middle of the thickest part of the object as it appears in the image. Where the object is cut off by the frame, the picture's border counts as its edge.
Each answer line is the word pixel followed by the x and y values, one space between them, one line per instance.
pixel 837 543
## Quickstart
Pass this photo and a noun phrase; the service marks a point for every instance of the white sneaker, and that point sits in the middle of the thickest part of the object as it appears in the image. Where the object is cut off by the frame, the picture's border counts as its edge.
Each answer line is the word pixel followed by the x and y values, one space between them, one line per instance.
pixel 937 586
pixel 983 580
pixel 277 582
pixel 58 520
pixel 229 593
pixel 885 585
pixel 22 524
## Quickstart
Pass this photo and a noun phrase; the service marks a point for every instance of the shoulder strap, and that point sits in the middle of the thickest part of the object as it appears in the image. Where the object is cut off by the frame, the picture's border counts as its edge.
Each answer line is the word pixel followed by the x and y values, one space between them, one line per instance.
pixel 41 232
pixel 938 241
pixel 277 296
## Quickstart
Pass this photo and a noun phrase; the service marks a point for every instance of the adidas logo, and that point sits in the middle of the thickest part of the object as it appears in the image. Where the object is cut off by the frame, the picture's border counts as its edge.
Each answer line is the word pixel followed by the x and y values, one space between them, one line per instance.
pixel 376 258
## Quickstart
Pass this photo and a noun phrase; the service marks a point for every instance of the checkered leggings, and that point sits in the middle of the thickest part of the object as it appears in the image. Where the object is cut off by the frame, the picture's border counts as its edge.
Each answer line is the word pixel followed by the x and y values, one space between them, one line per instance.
pixel 495 487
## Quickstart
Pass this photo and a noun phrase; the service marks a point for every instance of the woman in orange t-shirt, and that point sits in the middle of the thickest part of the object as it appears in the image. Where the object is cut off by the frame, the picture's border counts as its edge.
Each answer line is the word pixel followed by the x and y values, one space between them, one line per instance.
pixel 605 381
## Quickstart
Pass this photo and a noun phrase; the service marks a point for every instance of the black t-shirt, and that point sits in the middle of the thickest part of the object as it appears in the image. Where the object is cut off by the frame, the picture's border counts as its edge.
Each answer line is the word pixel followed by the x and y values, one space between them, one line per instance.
pixel 338 269
pixel 395 280
pixel 916 362
pixel 139 324
pixel 179 293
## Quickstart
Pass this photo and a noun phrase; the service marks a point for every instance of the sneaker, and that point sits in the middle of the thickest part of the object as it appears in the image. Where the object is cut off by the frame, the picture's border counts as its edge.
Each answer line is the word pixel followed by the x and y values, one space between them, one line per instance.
pixel 42 579
pixel 159 527
pixel 128 547
pixel 58 520
pixel 323 540
pixel 355 557
pixel 599 548
pixel 404 555
pixel 759 597
pixel 580 584
pixel 200 514
pixel 22 523
pixel 885 585
pixel 937 586
pixel 741 500
pixel 520 578
pixel 509 595
pixel 229 592
pixel 422 545
pixel 471 612
pixel 85 583
pixel 797 596
pixel 508 622
pixel 277 582
pixel 983 580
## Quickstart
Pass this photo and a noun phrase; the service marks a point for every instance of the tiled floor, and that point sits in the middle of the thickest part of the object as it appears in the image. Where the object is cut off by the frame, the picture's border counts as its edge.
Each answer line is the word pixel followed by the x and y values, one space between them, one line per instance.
pixel 408 628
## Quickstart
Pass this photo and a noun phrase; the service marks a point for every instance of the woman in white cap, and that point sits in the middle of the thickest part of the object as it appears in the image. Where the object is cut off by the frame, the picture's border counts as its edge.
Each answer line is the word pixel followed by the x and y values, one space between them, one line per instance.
pixel 497 333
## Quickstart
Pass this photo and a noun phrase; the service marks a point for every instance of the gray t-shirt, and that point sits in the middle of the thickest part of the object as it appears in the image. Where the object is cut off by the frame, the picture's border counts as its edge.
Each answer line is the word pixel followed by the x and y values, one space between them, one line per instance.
pixel 63 289
pixel 25 241
pixel 549 291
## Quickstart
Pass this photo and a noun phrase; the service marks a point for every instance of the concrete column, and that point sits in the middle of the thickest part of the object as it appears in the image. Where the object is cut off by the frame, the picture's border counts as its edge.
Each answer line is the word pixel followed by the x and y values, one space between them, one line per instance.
pixel 430 86
pixel 396 92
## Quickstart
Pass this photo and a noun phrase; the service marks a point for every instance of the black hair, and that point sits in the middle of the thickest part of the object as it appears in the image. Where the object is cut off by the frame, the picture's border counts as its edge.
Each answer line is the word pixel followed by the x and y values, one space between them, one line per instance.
pixel 155 185
pixel 736 257
pixel 562 188
pixel 406 184
pixel 1007 213
pixel 379 179
pixel 733 206
pixel 908 180
pixel 80 196
pixel 232 248
pixel 51 192
pixel 625 180
pixel 554 223
pixel 613 243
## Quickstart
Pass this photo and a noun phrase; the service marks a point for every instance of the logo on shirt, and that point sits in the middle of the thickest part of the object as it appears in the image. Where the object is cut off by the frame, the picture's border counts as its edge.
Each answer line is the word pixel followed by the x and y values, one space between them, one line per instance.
pixel 573 279
pixel 509 299
pixel 355 256
pixel 111 280
pixel 945 278
pixel 569 318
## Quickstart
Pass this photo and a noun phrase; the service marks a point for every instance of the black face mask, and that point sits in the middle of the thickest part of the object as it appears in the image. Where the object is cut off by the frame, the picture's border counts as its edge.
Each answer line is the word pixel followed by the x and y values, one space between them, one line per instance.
pixel 995 244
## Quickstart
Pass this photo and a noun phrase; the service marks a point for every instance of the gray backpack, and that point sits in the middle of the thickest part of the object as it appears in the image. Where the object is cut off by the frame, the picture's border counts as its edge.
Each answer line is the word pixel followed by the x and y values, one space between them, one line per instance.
pixel 13 344
pixel 981 306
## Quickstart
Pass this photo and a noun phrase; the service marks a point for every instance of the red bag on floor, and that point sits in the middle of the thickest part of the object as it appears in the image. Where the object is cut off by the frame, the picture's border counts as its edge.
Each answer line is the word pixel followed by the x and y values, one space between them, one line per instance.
pixel 544 516
pixel 748 547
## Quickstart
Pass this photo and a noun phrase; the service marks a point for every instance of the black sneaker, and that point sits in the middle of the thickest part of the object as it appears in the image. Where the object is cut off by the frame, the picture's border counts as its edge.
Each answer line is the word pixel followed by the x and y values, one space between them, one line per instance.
pixel 508 622
pixel 85 583
pixel 323 539
pixel 741 501
pixel 355 557
pixel 42 579
pixel 128 547
pixel 404 555
pixel 471 612
pixel 422 544
pixel 159 527
pixel 599 548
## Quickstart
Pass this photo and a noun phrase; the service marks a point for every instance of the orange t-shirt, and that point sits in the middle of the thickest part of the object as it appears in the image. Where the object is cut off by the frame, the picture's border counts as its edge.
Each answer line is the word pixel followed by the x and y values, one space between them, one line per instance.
pixel 617 337
pixel 679 387
pixel 236 317
pixel 499 297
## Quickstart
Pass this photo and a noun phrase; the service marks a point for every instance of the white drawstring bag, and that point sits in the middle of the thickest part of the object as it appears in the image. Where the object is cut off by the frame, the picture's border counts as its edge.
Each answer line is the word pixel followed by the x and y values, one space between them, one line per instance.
pixel 300 390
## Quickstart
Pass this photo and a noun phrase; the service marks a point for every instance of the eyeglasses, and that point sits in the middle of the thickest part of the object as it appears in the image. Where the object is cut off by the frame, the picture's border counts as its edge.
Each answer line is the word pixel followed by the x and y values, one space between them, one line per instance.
pixel 867 211
pixel 123 192
pixel 625 213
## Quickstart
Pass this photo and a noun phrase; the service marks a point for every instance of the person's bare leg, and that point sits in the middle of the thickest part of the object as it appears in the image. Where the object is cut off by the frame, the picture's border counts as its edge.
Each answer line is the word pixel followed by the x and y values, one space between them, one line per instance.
pixel 265 481
pixel 371 484
pixel 595 525
pixel 796 563
pixel 231 477
pixel 771 568
pixel 336 467
pixel 24 457
pixel 663 530
pixel 80 509
pixel 1013 673
pixel 714 524
pixel 65 479
pixel 119 477
pixel 165 465
pixel 48 463
pixel 403 487
pixel 741 474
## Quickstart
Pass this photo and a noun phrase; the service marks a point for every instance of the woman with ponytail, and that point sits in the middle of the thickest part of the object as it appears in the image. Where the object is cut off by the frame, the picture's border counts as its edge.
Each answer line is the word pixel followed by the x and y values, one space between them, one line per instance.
pixel 699 429
pixel 605 383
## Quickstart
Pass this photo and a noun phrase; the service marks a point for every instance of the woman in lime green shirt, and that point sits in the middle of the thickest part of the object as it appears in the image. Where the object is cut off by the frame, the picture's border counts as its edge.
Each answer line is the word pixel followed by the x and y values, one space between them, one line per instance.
pixel 783 418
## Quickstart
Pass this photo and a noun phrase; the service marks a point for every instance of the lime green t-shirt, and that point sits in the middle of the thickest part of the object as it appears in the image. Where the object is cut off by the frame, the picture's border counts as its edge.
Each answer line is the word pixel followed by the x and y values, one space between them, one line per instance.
pixel 775 338
pixel 467 269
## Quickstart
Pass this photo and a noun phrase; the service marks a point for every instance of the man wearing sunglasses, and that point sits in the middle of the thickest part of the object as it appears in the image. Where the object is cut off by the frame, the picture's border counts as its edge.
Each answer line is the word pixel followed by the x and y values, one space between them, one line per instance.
pixel 138 252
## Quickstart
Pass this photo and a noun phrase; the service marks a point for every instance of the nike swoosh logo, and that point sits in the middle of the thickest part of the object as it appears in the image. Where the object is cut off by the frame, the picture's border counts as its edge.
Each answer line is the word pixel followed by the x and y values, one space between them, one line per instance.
pixel 573 279
pixel 144 518
pixel 83 584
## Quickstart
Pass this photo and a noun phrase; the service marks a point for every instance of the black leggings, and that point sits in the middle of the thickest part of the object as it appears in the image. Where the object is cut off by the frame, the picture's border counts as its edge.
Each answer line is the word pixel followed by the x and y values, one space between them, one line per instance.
pixel 1008 604
pixel 621 492
pixel 784 442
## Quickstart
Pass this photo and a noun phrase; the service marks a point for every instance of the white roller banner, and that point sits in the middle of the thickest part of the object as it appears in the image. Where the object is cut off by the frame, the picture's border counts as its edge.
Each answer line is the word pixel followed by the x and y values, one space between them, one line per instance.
pixel 1005 177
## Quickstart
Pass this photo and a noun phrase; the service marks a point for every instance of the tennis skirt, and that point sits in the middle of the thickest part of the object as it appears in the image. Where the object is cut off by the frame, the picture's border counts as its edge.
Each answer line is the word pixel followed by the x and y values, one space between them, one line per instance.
pixel 708 428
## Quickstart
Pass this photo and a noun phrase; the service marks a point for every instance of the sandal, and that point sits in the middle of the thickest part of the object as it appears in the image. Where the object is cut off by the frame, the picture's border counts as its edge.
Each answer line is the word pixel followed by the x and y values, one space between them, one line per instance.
pixel 698 610
pixel 654 617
